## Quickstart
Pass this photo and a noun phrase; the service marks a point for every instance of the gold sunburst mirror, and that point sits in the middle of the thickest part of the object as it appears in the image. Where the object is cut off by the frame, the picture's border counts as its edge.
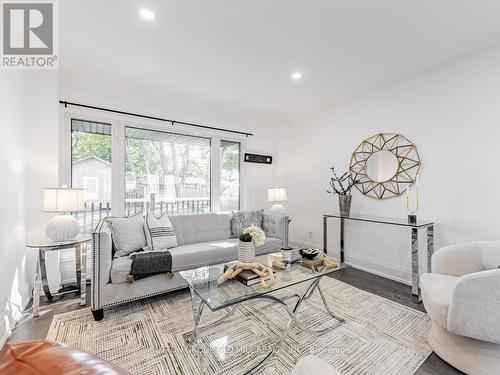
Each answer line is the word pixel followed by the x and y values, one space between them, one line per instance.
pixel 384 165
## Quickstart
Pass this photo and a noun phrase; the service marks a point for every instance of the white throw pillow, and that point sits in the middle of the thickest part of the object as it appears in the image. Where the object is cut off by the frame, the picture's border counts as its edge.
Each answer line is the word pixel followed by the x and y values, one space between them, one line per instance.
pixel 160 233
pixel 128 234
pixel 490 255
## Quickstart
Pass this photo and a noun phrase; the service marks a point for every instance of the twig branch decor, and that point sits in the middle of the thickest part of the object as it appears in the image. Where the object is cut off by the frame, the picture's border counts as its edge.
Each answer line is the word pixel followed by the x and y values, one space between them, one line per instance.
pixel 341 185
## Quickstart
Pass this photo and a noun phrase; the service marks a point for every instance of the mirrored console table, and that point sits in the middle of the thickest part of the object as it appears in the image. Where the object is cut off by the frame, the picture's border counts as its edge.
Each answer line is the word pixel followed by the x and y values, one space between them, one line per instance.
pixel 415 275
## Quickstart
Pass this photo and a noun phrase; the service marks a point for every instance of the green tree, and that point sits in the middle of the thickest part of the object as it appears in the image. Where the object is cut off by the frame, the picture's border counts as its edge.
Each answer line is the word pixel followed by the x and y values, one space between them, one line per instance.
pixel 89 144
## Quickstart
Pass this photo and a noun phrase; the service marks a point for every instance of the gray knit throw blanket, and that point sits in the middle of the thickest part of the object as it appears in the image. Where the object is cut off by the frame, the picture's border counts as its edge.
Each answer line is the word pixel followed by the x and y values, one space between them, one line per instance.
pixel 151 263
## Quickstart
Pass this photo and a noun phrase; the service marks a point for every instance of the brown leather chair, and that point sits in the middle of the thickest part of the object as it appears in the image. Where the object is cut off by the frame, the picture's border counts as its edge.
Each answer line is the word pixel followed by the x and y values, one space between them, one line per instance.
pixel 51 358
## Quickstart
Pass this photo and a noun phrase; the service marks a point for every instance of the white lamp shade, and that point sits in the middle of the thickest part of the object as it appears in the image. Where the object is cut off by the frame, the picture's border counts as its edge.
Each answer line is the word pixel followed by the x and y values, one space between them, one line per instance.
pixel 62 200
pixel 276 194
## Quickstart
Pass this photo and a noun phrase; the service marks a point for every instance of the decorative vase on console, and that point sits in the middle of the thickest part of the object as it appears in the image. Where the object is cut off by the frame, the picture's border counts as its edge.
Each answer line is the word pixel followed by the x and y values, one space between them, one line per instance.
pixel 251 237
pixel 342 187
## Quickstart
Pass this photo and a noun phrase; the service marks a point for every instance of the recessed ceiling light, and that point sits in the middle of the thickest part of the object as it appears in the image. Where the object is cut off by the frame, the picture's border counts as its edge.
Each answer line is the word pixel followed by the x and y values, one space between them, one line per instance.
pixel 147 14
pixel 296 76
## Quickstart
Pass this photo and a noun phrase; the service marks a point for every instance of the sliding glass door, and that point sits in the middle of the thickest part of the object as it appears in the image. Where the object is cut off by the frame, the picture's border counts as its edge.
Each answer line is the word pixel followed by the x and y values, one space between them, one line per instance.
pixel 166 172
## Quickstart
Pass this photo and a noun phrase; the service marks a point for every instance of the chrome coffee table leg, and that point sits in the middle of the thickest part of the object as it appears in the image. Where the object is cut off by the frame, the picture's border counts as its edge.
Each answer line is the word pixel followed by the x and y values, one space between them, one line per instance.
pixel 293 313
pixel 293 318
pixel 327 308
pixel 197 311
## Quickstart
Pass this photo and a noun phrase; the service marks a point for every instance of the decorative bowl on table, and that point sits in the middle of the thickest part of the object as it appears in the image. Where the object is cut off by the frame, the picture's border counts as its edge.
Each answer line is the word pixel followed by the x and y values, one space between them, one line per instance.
pixel 310 253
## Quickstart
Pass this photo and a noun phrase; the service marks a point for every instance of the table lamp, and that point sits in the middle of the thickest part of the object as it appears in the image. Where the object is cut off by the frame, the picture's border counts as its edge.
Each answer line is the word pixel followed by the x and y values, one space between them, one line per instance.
pixel 62 200
pixel 276 195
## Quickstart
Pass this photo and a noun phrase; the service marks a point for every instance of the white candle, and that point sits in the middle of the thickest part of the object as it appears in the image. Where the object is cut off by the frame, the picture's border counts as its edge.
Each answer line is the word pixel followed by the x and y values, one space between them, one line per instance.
pixel 418 180
pixel 407 192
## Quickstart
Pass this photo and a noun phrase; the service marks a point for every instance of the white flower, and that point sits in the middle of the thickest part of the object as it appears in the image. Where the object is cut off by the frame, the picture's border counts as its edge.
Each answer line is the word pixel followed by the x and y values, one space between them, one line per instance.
pixel 258 235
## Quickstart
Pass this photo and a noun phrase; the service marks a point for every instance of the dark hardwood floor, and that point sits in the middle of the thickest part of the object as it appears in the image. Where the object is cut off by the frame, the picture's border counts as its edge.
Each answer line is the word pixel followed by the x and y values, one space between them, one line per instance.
pixel 37 328
pixel 400 293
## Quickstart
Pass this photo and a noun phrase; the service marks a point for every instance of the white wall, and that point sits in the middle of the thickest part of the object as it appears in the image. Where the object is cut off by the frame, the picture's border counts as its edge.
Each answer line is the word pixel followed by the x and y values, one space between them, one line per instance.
pixel 28 115
pixel 41 111
pixel 15 282
pixel 452 114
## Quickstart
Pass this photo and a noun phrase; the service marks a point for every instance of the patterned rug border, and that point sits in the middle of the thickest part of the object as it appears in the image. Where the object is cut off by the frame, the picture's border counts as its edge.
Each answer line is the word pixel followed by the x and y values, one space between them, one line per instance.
pixel 180 293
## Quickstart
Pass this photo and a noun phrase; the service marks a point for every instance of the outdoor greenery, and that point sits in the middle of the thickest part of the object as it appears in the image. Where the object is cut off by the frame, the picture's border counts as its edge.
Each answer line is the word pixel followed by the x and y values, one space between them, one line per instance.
pixel 147 157
pixel 88 144
pixel 246 237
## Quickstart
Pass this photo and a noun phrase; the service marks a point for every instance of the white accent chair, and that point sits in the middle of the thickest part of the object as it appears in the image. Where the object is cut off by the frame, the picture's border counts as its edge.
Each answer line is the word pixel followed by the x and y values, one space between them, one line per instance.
pixel 462 297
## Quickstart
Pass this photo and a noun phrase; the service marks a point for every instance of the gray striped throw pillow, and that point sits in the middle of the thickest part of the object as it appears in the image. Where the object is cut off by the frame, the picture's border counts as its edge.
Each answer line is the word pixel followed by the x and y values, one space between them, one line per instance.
pixel 160 233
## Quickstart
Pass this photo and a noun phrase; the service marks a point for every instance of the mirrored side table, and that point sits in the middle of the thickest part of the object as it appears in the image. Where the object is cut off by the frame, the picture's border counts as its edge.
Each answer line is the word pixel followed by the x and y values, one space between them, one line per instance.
pixel 80 244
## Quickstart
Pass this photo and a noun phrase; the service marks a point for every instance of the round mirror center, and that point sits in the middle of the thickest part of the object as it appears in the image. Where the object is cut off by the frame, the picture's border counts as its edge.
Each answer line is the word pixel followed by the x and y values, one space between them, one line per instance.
pixel 381 166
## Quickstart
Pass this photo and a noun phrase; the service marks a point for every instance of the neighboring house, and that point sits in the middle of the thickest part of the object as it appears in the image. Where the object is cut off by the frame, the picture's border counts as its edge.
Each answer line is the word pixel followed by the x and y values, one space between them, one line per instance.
pixel 93 174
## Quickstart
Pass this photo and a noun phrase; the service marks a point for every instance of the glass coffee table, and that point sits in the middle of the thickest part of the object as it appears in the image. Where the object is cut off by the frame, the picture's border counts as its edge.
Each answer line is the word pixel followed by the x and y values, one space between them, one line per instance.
pixel 231 294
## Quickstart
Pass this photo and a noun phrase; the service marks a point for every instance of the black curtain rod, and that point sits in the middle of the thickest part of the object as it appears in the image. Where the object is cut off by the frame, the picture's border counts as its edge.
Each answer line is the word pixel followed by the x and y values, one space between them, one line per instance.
pixel 173 122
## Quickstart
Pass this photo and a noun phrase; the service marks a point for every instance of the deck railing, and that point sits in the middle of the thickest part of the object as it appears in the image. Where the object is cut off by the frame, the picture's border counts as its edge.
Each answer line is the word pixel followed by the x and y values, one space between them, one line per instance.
pixel 176 206
pixel 89 217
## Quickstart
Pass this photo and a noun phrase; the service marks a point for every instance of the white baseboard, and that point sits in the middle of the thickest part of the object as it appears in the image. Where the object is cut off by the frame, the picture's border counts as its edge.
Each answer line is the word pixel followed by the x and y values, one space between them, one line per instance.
pixel 391 272
pixel 375 266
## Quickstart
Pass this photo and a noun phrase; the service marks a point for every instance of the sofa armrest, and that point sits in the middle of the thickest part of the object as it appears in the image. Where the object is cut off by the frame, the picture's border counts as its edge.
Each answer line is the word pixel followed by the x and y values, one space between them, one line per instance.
pixel 276 226
pixel 475 306
pixel 102 258
pixel 458 260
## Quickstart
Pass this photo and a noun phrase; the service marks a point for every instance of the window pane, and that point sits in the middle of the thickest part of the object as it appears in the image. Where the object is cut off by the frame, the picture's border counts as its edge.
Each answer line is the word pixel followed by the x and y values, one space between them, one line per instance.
pixel 166 172
pixel 91 169
pixel 230 175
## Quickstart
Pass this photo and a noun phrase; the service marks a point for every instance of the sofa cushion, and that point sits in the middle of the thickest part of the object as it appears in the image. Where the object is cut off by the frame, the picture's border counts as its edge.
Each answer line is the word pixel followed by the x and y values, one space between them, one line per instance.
pixel 160 234
pixel 196 255
pixel 490 255
pixel 127 233
pixel 203 254
pixel 241 220
pixel 120 269
pixel 436 294
pixel 201 227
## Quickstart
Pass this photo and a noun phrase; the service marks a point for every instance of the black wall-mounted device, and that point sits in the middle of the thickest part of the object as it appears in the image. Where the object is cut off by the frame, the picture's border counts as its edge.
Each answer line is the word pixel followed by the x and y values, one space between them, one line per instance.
pixel 261 159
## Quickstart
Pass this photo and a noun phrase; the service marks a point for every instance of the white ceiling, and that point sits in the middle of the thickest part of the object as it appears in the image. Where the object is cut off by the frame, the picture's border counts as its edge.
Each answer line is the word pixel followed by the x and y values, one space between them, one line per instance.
pixel 234 55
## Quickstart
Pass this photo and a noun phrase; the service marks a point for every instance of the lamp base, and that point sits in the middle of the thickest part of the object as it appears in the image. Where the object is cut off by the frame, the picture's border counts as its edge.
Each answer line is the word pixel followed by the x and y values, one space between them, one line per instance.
pixel 62 228
pixel 277 209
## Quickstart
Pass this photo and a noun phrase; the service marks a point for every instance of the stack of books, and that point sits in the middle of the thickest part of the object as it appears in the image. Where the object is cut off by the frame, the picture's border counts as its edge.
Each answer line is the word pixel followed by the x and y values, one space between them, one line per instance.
pixel 312 263
pixel 247 277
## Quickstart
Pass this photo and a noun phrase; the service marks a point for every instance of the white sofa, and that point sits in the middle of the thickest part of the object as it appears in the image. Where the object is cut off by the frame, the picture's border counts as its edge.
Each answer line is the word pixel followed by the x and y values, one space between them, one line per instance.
pixel 202 239
pixel 462 297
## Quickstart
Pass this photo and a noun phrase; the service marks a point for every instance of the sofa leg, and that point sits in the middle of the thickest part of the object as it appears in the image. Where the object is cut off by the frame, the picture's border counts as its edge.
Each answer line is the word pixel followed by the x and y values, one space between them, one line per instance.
pixel 98 314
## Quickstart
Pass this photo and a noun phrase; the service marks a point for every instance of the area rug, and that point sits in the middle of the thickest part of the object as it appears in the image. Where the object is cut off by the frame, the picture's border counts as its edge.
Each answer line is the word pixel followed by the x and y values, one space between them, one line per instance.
pixel 148 337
